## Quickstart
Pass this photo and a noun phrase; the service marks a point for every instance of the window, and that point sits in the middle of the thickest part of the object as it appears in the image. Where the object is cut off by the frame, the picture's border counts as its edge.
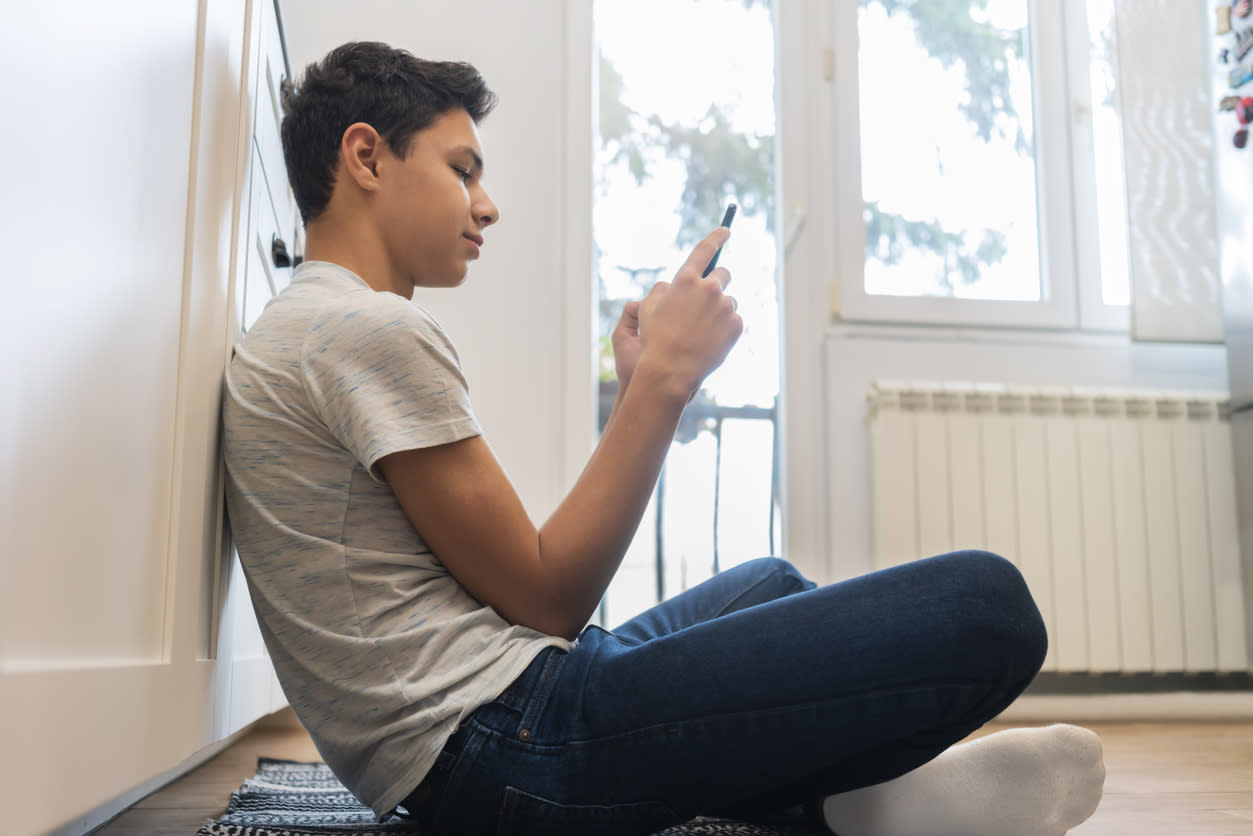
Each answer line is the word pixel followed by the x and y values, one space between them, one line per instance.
pixel 987 150
pixel 679 137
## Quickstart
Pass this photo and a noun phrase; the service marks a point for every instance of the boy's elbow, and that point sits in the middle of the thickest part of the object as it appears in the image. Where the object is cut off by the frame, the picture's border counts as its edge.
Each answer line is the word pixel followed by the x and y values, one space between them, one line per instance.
pixel 565 628
pixel 551 621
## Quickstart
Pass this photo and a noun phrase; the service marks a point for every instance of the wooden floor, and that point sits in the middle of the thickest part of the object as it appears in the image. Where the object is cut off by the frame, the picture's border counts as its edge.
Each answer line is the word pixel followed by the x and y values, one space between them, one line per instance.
pixel 180 807
pixel 1163 778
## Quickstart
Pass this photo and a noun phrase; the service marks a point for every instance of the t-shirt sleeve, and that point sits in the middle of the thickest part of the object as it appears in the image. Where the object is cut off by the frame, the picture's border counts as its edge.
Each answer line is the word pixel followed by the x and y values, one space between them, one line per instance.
pixel 384 377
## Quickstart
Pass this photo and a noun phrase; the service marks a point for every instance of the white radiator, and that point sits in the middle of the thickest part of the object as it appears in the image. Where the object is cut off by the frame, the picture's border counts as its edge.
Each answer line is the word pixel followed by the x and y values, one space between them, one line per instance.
pixel 1118 507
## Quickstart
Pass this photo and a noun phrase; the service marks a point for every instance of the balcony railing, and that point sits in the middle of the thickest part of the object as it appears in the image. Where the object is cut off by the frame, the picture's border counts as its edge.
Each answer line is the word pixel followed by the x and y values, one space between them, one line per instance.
pixel 703 415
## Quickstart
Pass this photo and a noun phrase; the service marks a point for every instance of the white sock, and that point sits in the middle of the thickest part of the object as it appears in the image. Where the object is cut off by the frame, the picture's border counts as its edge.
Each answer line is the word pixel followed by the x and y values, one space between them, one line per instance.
pixel 1019 782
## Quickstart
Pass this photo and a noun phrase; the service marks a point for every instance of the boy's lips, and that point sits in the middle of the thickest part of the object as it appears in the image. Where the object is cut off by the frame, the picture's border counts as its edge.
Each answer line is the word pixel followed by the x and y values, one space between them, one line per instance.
pixel 477 239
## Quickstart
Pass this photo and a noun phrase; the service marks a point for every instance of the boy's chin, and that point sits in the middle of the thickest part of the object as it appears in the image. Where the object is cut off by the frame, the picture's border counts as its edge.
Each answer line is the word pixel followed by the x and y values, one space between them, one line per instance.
pixel 444 281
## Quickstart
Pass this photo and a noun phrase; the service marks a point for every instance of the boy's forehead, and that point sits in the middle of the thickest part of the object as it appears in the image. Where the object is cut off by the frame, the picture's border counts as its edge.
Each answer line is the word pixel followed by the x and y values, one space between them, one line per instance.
pixel 452 130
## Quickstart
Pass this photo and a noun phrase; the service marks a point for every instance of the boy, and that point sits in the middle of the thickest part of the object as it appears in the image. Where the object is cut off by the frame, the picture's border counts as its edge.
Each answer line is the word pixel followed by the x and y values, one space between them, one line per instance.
pixel 432 639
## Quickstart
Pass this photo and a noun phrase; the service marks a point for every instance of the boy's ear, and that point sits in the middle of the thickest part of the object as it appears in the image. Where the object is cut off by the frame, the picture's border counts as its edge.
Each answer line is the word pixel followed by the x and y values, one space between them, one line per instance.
pixel 360 149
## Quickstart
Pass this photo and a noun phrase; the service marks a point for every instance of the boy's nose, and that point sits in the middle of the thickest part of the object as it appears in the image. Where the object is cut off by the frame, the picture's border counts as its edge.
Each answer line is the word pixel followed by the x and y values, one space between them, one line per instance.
pixel 486 212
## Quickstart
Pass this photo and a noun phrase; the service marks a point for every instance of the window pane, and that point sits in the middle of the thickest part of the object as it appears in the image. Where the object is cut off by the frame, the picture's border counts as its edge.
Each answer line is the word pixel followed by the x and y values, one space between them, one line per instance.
pixel 679 138
pixel 1111 188
pixel 947 145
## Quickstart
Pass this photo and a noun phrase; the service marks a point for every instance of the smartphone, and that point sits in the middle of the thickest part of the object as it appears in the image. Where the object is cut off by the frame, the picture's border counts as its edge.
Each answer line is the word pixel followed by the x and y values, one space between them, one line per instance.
pixel 726 221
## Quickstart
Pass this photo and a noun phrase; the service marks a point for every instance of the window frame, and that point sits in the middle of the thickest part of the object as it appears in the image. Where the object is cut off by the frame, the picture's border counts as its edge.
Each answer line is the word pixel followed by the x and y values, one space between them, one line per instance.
pixel 1066 205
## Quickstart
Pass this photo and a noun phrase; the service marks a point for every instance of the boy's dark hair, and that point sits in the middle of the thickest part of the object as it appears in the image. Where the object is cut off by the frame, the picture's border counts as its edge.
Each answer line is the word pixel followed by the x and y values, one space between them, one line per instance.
pixel 389 89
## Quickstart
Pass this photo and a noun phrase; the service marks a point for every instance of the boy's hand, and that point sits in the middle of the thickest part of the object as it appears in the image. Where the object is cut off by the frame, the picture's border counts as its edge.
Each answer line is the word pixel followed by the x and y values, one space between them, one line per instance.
pixel 687 327
pixel 626 344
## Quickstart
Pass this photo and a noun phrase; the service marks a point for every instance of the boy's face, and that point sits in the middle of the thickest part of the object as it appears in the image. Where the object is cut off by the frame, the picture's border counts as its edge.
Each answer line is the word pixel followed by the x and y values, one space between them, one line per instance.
pixel 432 208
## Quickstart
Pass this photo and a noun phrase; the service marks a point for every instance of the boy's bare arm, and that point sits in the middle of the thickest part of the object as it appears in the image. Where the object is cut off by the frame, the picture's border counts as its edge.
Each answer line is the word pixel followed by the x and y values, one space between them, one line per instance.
pixel 552 578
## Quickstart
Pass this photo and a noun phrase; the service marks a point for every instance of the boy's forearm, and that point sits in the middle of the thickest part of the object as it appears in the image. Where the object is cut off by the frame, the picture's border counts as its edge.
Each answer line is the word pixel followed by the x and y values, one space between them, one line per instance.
pixel 583 542
pixel 617 401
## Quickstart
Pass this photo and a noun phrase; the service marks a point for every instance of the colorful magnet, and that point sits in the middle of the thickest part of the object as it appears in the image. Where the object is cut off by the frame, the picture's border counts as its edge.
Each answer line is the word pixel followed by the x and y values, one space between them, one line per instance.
pixel 1241 138
pixel 1244 42
pixel 1228 103
pixel 1244 110
pixel 1242 8
pixel 1222 25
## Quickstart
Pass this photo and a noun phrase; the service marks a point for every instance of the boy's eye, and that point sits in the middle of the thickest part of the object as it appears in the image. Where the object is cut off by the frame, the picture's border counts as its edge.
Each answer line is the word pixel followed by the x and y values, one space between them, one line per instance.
pixel 463 173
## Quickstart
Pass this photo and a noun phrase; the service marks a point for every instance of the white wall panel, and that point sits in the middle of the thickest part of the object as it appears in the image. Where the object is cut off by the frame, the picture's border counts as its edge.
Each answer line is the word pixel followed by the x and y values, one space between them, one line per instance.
pixel 95 220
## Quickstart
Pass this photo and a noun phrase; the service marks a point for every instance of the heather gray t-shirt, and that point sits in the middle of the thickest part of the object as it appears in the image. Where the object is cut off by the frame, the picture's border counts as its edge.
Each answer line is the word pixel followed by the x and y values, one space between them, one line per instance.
pixel 379 650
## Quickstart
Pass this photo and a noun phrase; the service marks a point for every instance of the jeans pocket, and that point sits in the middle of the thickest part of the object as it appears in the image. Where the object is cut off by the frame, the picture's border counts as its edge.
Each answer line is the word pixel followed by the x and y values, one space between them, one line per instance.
pixel 524 814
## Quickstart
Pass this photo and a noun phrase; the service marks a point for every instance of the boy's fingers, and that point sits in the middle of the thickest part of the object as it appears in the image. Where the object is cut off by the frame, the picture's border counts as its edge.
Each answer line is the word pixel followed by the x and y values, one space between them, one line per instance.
pixel 704 251
pixel 722 275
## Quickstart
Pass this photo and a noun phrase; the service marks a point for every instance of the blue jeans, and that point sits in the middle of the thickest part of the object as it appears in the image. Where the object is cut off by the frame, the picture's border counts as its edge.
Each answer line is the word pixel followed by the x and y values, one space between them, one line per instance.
pixel 755 691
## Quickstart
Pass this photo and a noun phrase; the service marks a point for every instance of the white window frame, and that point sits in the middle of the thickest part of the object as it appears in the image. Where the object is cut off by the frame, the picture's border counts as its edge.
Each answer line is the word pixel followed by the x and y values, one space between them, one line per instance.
pixel 1066 205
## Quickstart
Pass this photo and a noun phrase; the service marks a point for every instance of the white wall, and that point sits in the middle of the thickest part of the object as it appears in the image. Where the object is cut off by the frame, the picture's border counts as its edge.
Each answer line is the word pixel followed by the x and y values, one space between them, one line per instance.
pixel 509 321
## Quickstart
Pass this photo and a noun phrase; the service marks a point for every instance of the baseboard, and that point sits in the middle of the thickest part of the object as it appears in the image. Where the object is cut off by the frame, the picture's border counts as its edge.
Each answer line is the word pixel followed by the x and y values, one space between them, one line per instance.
pixel 1188 706
pixel 103 814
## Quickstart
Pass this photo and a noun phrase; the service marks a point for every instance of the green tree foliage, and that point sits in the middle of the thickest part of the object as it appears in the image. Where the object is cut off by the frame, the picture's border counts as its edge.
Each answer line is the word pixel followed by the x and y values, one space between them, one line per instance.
pixel 723 166
pixel 889 236
pixel 722 163
pixel 622 130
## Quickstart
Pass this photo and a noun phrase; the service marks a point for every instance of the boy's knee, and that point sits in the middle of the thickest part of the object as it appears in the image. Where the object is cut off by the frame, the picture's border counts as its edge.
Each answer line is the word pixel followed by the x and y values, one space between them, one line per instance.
pixel 988 574
pixel 1001 606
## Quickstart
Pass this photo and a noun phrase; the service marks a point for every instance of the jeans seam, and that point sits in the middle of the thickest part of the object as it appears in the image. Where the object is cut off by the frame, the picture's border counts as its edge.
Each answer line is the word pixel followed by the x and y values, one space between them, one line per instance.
pixel 536 707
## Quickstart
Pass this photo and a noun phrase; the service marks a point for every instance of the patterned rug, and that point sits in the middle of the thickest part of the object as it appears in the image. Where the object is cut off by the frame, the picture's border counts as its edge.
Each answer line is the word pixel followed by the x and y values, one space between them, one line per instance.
pixel 289 798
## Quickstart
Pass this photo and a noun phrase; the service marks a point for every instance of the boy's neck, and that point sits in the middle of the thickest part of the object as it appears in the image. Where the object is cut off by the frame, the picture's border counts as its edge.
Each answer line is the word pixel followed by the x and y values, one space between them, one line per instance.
pixel 354 248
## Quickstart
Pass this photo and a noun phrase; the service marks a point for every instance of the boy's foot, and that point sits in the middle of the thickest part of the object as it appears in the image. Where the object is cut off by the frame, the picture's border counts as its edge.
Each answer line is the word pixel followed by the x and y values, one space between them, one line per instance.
pixel 1019 782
